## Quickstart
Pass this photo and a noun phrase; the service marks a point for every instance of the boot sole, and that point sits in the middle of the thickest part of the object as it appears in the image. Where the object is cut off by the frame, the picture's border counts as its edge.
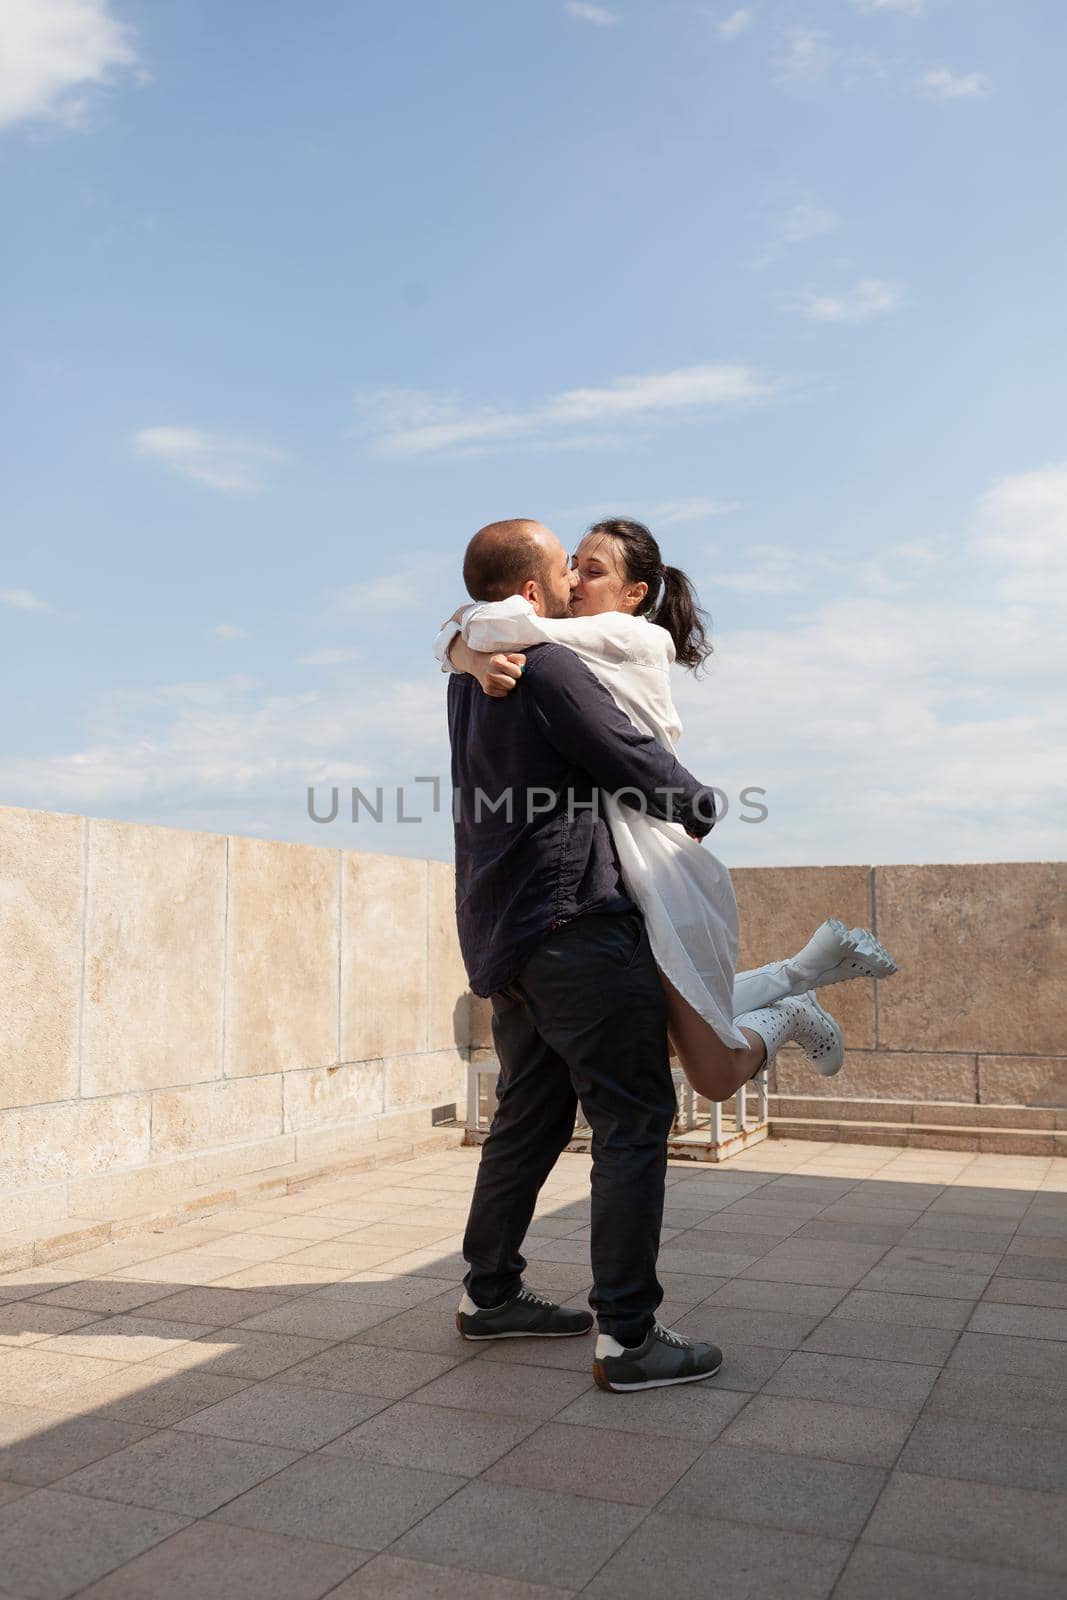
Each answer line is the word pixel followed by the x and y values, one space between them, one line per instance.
pixel 480 1338
pixel 857 945
pixel 603 1382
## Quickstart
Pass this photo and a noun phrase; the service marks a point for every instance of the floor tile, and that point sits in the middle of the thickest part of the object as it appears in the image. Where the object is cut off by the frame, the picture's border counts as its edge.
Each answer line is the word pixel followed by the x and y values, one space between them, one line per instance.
pixel 863 1434
pixel 376 1288
pixel 877 1573
pixel 360 1505
pixel 606 1464
pixel 366 1369
pixel 26 1322
pixel 244 1353
pixel 212 1561
pixel 992 1352
pixel 184 1473
pixel 882 1341
pixel 84 1539
pixel 127 1338
pixel 435 1438
pixel 1027 1322
pixel 1025 1292
pixel 677 1556
pixel 283 1414
pixel 533 1393
pixel 685 1411
pixel 851 1380
pixel 37 1447
pixel 319 1316
pixel 1011 1398
pixel 910 1310
pixel 974 1521
pixel 537 1536
pixel 732 1328
pixel 216 1308
pixel 987 1451
pixel 802 1494
pixel 389 1577
pixel 151 1396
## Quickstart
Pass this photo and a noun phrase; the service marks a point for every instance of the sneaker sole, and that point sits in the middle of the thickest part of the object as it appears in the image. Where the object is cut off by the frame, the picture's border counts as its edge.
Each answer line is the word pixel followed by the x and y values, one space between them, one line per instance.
pixel 859 947
pixel 603 1382
pixel 480 1338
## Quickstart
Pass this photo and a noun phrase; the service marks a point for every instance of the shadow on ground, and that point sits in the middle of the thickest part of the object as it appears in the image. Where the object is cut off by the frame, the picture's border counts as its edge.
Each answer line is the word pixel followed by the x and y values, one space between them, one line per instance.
pixel 275 1404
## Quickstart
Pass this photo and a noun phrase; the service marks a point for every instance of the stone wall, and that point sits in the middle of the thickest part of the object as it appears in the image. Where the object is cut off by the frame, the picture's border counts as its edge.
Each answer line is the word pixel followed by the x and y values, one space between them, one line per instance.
pixel 179 1009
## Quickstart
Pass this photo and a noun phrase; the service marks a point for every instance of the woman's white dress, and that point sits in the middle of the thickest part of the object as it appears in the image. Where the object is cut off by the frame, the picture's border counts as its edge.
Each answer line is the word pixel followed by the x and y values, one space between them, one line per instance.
pixel 683 890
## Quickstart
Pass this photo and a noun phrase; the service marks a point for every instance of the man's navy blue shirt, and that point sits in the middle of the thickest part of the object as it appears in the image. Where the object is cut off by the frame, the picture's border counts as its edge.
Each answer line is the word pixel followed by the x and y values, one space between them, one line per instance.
pixel 543 856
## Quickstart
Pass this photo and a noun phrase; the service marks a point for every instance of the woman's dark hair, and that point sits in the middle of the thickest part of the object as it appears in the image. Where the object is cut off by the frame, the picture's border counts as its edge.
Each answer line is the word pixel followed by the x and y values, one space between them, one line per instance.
pixel 671 601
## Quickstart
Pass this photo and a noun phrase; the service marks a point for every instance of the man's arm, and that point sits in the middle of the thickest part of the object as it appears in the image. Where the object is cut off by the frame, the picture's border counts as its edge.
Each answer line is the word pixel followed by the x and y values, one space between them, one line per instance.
pixel 571 708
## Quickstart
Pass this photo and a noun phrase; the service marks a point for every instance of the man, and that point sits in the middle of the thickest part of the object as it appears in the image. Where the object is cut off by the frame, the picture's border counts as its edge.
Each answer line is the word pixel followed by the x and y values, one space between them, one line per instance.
pixel 548 932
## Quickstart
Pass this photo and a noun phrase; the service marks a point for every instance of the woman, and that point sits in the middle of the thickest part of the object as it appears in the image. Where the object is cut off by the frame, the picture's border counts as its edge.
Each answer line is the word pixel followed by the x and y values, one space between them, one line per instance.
pixel 631 618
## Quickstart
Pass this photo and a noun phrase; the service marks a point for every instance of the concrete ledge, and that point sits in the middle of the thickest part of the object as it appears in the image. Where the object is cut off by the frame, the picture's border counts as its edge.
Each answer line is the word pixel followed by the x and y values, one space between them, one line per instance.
pixel 35 1247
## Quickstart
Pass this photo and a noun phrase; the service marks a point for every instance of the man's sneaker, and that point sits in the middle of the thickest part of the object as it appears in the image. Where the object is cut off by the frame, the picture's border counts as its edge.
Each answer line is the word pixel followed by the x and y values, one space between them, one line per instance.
pixel 663 1357
pixel 525 1316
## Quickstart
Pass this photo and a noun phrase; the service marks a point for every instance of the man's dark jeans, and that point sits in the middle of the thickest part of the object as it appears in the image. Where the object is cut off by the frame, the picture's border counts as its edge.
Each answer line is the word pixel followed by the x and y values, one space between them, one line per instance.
pixel 586 1017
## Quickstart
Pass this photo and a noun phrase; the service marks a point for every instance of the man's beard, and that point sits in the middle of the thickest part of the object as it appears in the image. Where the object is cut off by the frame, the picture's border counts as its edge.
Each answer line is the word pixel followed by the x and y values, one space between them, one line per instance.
pixel 557 608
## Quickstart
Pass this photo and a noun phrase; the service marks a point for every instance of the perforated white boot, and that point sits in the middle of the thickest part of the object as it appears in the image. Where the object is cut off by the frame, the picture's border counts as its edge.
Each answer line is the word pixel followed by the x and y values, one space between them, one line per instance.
pixel 833 954
pixel 800 1018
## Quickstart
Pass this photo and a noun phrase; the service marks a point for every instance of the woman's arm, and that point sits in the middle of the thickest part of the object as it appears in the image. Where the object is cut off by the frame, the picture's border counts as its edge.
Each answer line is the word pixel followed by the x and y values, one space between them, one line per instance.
pixel 497 673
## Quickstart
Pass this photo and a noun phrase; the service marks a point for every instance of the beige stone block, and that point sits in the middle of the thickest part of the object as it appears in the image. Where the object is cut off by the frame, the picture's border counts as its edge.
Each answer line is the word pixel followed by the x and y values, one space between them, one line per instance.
pixel 405 1124
pixel 780 908
pixel 1023 1080
pixel 282 957
pixel 383 955
pixel 352 1144
pixel 155 931
pixel 69 1241
pixel 213 1114
pixel 16 1252
pixel 120 1193
pixel 481 1022
pixel 261 1155
pixel 333 1094
pixel 35 1207
pixel 44 1144
pixel 883 1075
pixel 982 951
pixel 449 1015
pixel 42 894
pixel 433 1079
pixel 1018 1144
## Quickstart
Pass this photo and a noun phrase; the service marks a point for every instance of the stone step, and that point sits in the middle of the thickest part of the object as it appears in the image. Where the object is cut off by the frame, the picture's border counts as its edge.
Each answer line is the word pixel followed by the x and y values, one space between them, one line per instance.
pixel 940 1113
pixel 924 1136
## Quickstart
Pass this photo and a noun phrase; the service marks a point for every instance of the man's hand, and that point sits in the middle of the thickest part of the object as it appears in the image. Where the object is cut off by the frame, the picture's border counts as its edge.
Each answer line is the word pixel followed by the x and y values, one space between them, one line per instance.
pixel 497 674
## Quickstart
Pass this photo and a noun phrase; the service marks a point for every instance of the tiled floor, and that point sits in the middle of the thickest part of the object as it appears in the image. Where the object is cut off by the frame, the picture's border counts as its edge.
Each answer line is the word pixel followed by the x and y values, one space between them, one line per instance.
pixel 274 1404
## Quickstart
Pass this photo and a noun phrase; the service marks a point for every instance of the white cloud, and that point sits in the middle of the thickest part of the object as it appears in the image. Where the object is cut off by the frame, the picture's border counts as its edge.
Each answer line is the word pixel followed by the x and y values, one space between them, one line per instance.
pixel 339 657
pixel 406 423
pixel 418 585
pixel 871 297
pixel 655 514
pixel 917 724
pixel 23 600
pixel 54 54
pixel 599 16
pixel 737 22
pixel 231 465
pixel 912 7
pixel 798 224
pixel 775 570
pixel 944 84
pixel 229 630
pixel 804 55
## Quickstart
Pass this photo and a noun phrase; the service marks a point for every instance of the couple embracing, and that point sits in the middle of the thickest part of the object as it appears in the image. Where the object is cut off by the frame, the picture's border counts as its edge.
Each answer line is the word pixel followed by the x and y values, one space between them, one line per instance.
pixel 601 929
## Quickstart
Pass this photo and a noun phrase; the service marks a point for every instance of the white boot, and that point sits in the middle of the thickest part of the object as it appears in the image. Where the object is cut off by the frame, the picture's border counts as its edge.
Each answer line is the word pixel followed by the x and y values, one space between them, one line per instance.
pixel 802 1018
pixel 832 954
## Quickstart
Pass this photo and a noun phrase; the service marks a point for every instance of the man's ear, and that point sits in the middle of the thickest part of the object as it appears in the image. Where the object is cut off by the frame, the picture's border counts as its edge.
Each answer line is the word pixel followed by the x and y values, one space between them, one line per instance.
pixel 531 591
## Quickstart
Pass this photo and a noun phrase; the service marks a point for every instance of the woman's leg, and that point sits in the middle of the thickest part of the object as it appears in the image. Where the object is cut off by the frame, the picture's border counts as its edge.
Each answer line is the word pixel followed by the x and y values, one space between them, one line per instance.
pixel 833 954
pixel 712 1067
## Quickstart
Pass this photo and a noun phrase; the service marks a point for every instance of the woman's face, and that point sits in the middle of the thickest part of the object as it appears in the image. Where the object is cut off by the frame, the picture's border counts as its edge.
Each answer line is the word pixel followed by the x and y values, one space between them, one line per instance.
pixel 602 583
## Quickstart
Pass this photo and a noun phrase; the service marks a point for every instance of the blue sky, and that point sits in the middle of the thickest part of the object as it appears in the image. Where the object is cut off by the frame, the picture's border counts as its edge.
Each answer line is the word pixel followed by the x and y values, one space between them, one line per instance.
pixel 298 297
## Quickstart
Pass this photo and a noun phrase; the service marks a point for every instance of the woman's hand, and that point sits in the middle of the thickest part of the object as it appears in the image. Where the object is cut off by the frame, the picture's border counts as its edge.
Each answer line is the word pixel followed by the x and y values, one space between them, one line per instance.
pixel 498 674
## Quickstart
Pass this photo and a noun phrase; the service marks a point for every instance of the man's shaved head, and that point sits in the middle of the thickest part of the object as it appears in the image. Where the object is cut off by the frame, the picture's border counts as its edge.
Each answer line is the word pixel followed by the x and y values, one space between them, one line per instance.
pixel 503 556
